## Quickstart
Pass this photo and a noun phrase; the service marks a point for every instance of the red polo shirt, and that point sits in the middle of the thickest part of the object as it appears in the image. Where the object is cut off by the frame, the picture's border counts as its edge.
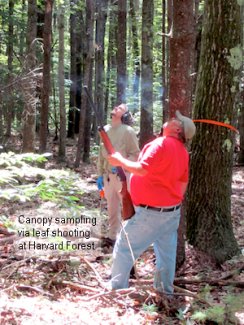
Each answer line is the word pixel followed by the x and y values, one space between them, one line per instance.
pixel 166 160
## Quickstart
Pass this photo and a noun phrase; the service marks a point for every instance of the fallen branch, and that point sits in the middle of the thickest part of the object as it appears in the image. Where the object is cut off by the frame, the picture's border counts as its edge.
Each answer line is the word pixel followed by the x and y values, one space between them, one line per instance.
pixel 191 294
pixel 98 277
pixel 211 282
pixel 232 273
pixel 38 290
pixel 110 293
pixel 75 286
pixel 54 277
pixel 5 232
pixel 182 281
pixel 14 266
pixel 8 240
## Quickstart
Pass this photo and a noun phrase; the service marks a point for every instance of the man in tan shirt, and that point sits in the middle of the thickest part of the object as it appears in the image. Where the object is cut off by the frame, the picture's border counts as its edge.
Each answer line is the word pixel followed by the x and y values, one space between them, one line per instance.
pixel 124 140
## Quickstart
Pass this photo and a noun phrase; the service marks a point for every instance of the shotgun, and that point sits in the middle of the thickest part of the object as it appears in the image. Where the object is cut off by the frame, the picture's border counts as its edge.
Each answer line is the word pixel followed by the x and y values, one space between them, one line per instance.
pixel 127 206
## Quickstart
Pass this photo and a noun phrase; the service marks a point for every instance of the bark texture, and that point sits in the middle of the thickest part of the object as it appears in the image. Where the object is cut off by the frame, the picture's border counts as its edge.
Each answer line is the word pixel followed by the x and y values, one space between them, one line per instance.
pixel 29 83
pixel 47 36
pixel 209 226
pixel 146 122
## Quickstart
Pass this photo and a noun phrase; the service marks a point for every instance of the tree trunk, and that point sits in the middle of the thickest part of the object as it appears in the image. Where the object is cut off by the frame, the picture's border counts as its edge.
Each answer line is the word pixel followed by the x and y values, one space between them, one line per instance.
pixel 76 44
pixel 72 92
pixel 62 134
pixel 169 22
pixel 110 97
pixel 78 66
pixel 198 16
pixel 47 35
pixel 121 52
pixel 209 226
pixel 240 159
pixel 136 56
pixel 146 122
pixel 87 72
pixel 164 61
pixel 29 87
pixel 241 115
pixel 1 120
pixel 10 53
pixel 181 54
pixel 102 6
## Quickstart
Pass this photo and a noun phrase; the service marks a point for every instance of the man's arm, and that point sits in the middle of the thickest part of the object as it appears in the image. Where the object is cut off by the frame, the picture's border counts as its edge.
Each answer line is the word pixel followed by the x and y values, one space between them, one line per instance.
pixel 134 167
pixel 132 145
pixel 183 187
pixel 99 163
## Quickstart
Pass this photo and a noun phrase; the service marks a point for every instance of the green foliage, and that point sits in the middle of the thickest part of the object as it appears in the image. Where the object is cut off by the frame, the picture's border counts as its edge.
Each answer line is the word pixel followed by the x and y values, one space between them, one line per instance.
pixel 6 179
pixel 31 157
pixel 3 60
pixel 215 313
pixel 94 151
pixel 234 303
pixel 11 159
pixel 23 182
pixel 59 189
pixel 7 223
pixel 151 308
pixel 223 313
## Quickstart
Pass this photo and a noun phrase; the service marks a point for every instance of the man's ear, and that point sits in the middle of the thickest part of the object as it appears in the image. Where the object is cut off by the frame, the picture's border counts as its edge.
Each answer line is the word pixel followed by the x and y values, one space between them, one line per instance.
pixel 127 118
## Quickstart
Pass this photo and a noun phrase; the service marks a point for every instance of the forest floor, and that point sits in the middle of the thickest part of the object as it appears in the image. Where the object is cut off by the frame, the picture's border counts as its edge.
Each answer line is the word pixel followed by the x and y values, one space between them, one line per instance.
pixel 68 287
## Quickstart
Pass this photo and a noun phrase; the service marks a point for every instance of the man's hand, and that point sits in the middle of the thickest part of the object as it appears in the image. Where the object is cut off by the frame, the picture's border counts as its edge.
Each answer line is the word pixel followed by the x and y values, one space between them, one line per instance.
pixel 115 159
pixel 100 184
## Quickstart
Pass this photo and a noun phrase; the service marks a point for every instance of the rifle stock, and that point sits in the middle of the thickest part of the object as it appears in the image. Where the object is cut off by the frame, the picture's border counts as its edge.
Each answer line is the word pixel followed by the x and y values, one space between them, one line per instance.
pixel 127 206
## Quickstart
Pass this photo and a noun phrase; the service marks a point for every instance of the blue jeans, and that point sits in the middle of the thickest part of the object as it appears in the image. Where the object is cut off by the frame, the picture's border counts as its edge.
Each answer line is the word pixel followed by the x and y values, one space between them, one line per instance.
pixel 147 227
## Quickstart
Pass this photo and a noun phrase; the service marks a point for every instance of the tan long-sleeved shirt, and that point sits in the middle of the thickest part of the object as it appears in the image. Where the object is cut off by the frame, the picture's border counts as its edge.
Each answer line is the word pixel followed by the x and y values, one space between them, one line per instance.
pixel 124 141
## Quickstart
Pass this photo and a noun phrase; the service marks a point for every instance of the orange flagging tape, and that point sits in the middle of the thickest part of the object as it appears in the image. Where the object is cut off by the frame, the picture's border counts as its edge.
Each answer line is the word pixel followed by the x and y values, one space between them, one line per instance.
pixel 226 125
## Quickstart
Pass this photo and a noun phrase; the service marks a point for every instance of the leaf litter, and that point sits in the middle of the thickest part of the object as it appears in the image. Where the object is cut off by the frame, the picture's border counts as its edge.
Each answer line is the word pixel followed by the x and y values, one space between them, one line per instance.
pixel 70 287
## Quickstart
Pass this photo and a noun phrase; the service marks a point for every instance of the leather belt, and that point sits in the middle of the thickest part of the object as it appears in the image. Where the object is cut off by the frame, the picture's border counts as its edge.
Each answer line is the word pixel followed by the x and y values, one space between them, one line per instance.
pixel 160 209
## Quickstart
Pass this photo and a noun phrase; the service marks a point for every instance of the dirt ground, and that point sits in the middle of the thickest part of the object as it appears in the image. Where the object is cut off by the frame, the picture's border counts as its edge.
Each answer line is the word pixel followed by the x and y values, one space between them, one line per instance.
pixel 69 288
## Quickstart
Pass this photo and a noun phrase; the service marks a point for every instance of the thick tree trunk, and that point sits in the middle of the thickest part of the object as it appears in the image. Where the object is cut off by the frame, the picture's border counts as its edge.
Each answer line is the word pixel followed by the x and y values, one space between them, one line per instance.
pixel 47 35
pixel 136 56
pixel 29 87
pixel 110 96
pixel 76 48
pixel 181 54
pixel 87 72
pixel 209 225
pixel 240 159
pixel 62 134
pixel 241 116
pixel 146 122
pixel 10 52
pixel 164 61
pixel 1 120
pixel 72 92
pixel 102 6
pixel 121 52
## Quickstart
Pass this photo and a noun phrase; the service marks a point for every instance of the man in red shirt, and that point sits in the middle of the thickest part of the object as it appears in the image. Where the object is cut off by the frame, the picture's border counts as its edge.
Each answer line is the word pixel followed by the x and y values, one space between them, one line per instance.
pixel 158 184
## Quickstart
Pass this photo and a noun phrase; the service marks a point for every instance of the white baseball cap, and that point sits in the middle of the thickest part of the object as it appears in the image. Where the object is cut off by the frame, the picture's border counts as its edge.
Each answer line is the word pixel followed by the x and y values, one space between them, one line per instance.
pixel 188 125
